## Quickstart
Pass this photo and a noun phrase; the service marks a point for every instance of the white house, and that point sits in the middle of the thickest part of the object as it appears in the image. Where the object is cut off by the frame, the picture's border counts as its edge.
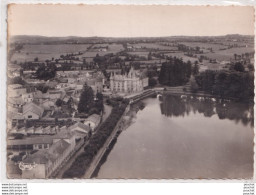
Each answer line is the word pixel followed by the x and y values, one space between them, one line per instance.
pixel 80 129
pixel 93 121
pixel 27 97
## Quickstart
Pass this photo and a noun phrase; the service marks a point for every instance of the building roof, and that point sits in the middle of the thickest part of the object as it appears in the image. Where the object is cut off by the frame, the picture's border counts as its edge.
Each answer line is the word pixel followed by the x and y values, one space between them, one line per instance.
pixel 38 94
pixel 39 157
pixel 46 139
pixel 31 141
pixel 15 86
pixel 80 125
pixel 33 108
pixel 59 147
pixel 95 118
pixel 14 115
pixel 15 100
pixel 44 156
pixel 66 98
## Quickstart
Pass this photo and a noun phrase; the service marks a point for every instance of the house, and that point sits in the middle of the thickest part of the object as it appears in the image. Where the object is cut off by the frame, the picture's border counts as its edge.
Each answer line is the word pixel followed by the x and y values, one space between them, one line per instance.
pixel 15 102
pixel 71 80
pixel 66 99
pixel 14 73
pixel 80 130
pixel 21 131
pixel 15 90
pixel 32 111
pixel 48 104
pixel 30 130
pixel 27 97
pixel 13 118
pixel 51 84
pixel 37 142
pixel 44 162
pixel 93 121
pixel 48 130
pixel 131 82
pixel 54 95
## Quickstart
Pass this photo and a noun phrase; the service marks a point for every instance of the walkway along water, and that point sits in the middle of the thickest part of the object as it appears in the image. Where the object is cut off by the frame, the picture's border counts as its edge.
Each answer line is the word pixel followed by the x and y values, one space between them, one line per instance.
pixel 96 161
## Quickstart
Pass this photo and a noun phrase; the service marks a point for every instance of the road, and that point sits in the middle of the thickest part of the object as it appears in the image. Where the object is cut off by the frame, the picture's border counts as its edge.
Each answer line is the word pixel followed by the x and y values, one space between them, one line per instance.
pixel 107 111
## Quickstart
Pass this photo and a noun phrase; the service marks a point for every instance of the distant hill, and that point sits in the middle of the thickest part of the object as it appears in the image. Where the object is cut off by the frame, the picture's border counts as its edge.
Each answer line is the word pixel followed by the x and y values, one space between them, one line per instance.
pixel 36 39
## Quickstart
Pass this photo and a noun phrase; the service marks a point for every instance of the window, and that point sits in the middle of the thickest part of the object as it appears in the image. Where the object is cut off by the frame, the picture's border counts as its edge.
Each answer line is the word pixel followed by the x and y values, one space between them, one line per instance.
pixel 40 146
pixel 45 146
pixel 29 116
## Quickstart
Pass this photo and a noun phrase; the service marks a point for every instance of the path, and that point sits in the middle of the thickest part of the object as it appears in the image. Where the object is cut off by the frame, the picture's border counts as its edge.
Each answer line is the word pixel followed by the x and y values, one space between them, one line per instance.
pixel 101 152
pixel 107 111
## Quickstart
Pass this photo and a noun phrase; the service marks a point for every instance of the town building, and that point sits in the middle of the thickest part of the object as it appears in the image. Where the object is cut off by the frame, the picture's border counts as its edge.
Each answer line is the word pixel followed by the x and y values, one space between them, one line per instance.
pixel 131 82
pixel 46 161
pixel 80 130
pixel 32 111
pixel 93 121
pixel 15 90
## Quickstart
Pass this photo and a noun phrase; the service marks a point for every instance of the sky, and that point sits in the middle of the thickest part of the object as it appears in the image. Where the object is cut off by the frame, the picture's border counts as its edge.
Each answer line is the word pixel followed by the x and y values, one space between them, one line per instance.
pixel 129 20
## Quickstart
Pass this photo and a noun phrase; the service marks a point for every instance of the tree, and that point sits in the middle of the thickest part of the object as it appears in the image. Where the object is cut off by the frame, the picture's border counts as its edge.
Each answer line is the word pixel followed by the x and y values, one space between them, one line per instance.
pixel 17 80
pixel 250 67
pixel 86 101
pixel 239 67
pixel 193 86
pixel 149 56
pixel 235 56
pixel 195 69
pixel 152 82
pixel 99 103
pixel 58 102
pixel 46 72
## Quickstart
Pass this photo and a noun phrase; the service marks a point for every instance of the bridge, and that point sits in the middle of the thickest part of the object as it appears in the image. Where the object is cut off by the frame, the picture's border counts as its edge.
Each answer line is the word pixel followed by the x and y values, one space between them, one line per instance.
pixel 137 97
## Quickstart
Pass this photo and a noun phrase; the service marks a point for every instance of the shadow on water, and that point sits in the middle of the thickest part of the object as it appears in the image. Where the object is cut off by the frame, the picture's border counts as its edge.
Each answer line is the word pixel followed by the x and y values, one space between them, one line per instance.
pixel 174 106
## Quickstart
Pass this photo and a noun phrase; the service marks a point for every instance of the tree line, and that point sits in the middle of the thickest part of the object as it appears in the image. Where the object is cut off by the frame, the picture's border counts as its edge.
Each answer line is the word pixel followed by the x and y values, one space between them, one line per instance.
pixel 175 72
pixel 83 161
pixel 233 84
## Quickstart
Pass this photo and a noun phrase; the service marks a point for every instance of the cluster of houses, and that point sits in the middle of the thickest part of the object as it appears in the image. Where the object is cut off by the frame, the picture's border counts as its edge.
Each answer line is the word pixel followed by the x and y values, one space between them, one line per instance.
pixel 52 145
pixel 48 148
pixel 50 151
pixel 37 127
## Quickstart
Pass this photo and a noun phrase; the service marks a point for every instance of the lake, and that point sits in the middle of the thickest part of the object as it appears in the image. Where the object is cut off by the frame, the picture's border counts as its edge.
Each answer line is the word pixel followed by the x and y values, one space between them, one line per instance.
pixel 184 138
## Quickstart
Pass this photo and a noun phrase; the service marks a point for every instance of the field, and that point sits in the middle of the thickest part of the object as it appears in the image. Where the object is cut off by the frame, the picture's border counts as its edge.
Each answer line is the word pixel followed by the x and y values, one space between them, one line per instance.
pixel 154 46
pixel 22 57
pixel 112 48
pixel 44 52
pixel 204 45
pixel 140 53
pixel 181 55
pixel 222 55
pixel 60 48
pixel 47 52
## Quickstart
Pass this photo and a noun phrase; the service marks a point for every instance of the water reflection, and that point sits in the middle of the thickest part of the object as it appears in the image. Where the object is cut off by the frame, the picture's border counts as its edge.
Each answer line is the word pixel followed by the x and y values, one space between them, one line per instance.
pixel 192 142
pixel 175 106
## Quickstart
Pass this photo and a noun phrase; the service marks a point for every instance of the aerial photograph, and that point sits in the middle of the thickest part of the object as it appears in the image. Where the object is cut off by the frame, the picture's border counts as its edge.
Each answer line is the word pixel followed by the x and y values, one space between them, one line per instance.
pixel 130 92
